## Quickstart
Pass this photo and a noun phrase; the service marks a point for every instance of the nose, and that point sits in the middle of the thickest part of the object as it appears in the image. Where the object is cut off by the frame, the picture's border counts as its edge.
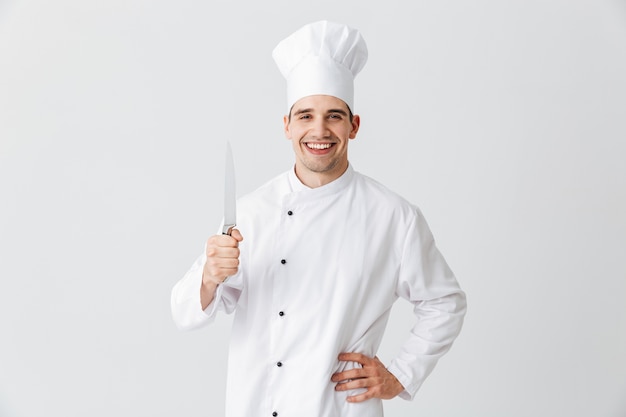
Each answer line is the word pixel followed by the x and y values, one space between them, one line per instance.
pixel 319 129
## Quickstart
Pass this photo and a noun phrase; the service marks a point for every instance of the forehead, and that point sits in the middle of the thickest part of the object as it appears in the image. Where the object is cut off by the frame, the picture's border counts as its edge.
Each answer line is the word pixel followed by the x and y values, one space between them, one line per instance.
pixel 319 103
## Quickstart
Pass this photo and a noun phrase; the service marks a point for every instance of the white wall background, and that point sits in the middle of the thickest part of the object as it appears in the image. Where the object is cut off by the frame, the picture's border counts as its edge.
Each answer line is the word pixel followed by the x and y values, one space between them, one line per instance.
pixel 504 121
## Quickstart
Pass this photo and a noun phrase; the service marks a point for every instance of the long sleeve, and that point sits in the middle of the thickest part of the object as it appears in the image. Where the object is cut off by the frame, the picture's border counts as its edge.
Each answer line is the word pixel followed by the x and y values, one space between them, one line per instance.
pixel 185 301
pixel 427 282
pixel 318 276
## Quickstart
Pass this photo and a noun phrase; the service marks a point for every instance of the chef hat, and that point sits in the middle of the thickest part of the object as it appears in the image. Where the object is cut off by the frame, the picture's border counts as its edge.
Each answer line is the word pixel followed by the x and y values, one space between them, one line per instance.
pixel 321 58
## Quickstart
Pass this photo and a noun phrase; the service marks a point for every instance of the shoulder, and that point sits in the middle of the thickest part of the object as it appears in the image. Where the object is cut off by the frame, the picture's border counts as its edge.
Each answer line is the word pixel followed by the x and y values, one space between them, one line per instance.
pixel 381 203
pixel 390 208
pixel 380 194
pixel 269 193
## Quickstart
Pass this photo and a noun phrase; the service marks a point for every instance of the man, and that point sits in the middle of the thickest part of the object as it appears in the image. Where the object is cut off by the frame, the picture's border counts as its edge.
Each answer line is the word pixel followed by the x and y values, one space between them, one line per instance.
pixel 327 252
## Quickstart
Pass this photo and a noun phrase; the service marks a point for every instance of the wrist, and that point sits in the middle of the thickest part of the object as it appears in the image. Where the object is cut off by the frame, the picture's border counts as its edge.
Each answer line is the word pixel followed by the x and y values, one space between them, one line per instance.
pixel 210 282
pixel 208 288
pixel 208 279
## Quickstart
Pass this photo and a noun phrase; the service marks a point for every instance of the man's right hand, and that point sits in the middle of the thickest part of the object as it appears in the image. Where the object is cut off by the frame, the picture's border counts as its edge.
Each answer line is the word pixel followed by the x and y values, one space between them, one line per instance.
pixel 222 261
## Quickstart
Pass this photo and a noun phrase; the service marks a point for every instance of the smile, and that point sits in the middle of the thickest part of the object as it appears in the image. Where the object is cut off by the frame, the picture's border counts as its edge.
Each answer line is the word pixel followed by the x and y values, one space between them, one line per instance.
pixel 319 145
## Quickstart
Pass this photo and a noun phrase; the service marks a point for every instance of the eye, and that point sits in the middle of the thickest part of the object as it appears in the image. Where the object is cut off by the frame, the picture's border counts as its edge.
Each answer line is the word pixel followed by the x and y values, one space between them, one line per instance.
pixel 335 116
pixel 304 116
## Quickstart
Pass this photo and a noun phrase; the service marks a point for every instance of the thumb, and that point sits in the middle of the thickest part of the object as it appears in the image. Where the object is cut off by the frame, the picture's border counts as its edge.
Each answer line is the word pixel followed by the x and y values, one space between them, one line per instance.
pixel 236 234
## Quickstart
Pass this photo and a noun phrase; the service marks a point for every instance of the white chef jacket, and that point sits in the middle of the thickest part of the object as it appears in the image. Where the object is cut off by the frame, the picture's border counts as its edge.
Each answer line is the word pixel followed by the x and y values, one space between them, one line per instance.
pixel 319 271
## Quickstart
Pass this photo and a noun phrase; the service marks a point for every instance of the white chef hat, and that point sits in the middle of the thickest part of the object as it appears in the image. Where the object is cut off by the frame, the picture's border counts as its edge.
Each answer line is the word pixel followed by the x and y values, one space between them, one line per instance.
pixel 321 58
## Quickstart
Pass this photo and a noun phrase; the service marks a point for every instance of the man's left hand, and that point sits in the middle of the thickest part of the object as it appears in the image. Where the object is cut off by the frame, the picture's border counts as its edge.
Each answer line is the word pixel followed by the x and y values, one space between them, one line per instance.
pixel 373 376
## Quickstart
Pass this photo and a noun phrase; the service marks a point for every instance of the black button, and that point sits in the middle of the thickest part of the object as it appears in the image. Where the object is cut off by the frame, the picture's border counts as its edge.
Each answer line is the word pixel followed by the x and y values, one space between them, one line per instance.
pixel 281 313
pixel 274 414
pixel 290 212
pixel 279 364
pixel 282 261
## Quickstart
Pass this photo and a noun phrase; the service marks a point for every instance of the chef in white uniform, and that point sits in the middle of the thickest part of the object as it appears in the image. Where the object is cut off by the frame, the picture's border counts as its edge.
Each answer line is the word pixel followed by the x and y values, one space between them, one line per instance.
pixel 320 255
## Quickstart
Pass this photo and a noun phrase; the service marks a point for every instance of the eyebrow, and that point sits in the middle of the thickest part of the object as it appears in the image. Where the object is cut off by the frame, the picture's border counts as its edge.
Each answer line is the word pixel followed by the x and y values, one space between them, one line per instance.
pixel 302 111
pixel 340 111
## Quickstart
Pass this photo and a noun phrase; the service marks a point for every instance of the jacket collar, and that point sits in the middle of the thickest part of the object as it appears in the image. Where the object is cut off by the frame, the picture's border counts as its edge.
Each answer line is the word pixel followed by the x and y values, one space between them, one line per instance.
pixel 331 188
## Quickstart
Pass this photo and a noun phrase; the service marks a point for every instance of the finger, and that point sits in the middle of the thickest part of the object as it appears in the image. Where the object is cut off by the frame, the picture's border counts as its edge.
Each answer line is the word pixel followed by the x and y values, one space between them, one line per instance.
pixel 361 397
pixel 222 252
pixel 222 241
pixel 221 267
pixel 356 383
pixel 222 263
pixel 225 252
pixel 354 357
pixel 226 241
pixel 350 374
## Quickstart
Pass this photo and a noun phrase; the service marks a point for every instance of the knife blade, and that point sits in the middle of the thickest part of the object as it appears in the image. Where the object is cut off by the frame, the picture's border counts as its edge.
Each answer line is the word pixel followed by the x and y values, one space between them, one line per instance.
pixel 230 197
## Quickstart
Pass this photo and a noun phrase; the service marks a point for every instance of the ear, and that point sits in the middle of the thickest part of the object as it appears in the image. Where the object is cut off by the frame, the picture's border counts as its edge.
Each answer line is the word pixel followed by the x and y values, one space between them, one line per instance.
pixel 356 123
pixel 286 127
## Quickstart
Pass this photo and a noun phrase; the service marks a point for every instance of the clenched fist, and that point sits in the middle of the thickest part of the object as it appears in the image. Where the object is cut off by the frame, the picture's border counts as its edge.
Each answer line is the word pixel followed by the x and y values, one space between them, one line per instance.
pixel 222 261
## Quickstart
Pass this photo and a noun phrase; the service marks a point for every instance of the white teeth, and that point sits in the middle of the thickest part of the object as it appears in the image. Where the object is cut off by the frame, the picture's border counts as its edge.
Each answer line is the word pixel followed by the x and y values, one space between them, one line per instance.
pixel 318 145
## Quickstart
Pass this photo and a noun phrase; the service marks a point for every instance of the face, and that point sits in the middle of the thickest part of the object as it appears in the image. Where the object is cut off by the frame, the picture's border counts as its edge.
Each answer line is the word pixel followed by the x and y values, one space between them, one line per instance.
pixel 319 130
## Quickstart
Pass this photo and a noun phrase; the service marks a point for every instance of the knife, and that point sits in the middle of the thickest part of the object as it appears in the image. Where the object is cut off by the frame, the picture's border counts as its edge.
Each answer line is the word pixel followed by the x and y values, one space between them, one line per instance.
pixel 230 203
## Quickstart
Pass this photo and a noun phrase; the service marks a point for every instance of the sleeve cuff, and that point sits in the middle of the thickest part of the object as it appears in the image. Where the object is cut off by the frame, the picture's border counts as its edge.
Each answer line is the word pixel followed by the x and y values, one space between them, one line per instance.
pixel 213 306
pixel 410 388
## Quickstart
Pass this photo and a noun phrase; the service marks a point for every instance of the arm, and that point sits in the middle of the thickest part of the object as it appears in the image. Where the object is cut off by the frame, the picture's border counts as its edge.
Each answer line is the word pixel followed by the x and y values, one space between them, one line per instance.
pixel 201 293
pixel 439 304
pixel 427 282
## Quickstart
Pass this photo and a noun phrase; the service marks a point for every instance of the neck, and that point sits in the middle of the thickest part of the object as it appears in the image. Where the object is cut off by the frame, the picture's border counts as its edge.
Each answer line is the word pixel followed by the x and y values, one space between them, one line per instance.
pixel 318 179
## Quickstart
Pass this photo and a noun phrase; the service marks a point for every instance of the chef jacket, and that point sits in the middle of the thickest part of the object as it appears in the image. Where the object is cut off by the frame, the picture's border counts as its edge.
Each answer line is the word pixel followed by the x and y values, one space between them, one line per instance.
pixel 320 269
